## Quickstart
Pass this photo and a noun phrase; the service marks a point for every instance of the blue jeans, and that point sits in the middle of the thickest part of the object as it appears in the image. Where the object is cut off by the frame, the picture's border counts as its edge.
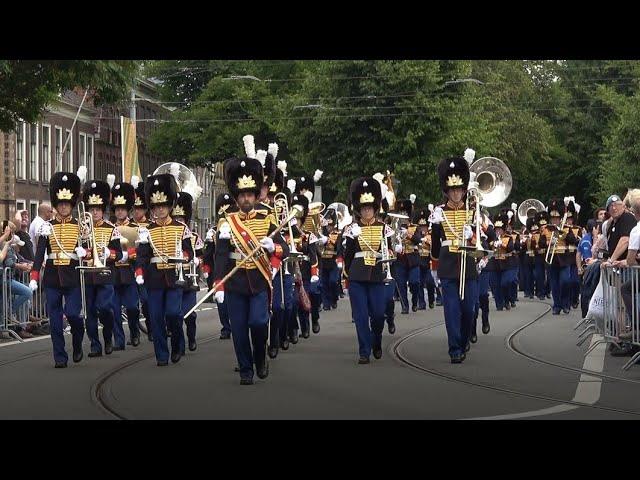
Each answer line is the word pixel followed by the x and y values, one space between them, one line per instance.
pixel 21 294
pixel 127 296
pixel 330 293
pixel 188 301
pixel 165 307
pixel 72 306
pixel 458 314
pixel 560 287
pixel 99 306
pixel 367 305
pixel 412 277
pixel 249 314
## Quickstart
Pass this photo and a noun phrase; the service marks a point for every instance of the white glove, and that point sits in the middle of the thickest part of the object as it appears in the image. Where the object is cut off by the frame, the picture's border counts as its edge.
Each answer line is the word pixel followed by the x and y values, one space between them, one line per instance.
pixel 315 278
pixel 339 264
pixel 205 275
pixel 125 256
pixel 398 248
pixel 139 279
pixel 44 230
pixel 323 240
pixel 33 285
pixel 219 296
pixel 196 261
pixel 403 230
pixel 267 244
pixel 468 232
pixel 356 230
pixel 209 237
pixel 81 252
pixel 225 232
pixel 497 243
pixel 143 235
pixel 437 216
pixel 106 252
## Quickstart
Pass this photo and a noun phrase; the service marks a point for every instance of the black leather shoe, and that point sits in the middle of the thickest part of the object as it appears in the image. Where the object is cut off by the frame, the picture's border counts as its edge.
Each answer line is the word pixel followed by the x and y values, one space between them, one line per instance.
pixel 77 356
pixel 513 304
pixel 315 327
pixel 135 341
pixel 363 360
pixel 263 371
pixel 168 333
pixel 326 309
pixel 422 307
pixel 175 357
pixel 463 357
pixel 334 306
pixel 486 328
pixel 61 365
pixel 237 369
pixel 377 353
pixel 246 381
pixel 392 329
pixel 574 305
pixel 272 352
pixel 467 348
pixel 117 349
pixel 294 337
pixel 555 312
pixel 414 308
pixel 305 334
pixel 193 345
pixel 566 310
pixel 95 354
pixel 108 348
pixel 474 338
pixel 284 345
pixel 405 311
pixel 162 364
pixel 507 306
pixel 150 337
pixel 456 358
pixel 431 305
pixel 225 336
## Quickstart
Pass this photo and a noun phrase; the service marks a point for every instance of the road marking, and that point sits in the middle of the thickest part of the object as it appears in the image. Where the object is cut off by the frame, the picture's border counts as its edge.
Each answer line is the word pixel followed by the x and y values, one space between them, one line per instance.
pixel 587 392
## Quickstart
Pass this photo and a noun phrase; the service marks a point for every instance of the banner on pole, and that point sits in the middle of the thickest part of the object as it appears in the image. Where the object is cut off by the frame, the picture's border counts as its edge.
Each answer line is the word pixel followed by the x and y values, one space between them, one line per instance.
pixel 130 165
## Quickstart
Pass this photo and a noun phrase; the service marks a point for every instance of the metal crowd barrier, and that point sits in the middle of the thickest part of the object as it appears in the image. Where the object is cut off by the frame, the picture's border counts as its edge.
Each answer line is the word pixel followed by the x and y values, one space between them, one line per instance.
pixel 7 302
pixel 621 323
pixel 37 308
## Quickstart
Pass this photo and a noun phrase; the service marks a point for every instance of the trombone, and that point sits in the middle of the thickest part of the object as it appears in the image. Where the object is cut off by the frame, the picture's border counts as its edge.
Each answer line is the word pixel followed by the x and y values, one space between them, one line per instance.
pixel 556 235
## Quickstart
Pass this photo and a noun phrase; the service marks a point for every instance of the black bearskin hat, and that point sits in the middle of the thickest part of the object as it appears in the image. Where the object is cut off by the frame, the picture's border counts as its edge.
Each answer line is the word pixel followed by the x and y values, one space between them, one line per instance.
pixel 453 172
pixel 531 224
pixel 161 190
pixel 270 169
pixel 421 217
pixel 299 199
pixel 573 212
pixel 64 187
pixel 96 193
pixel 141 199
pixel 183 206
pixel 542 218
pixel 365 191
pixel 404 206
pixel 501 221
pixel 278 184
pixel 123 195
pixel 331 216
pixel 555 207
pixel 243 175
pixel 224 204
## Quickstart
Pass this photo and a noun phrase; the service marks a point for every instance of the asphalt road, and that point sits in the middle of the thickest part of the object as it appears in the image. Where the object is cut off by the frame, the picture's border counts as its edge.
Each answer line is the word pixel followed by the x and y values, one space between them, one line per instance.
pixel 533 373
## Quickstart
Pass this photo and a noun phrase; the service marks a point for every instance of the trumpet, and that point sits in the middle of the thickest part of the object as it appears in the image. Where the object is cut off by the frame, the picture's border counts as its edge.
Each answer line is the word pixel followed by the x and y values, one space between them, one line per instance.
pixel 556 235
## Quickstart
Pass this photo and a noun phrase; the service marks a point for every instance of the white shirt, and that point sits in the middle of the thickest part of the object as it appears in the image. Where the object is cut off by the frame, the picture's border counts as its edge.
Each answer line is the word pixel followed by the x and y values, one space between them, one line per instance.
pixel 33 230
pixel 634 238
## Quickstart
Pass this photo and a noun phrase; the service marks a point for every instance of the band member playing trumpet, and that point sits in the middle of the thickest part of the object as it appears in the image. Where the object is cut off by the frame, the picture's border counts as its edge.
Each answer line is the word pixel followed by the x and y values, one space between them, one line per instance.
pixel 424 253
pixel 248 290
pixel 572 245
pixel 451 229
pixel 60 238
pixel 529 244
pixel 408 261
pixel 541 238
pixel 161 246
pixel 331 260
pixel 364 273
pixel 503 273
pixel 99 284
pixel 140 218
pixel 125 291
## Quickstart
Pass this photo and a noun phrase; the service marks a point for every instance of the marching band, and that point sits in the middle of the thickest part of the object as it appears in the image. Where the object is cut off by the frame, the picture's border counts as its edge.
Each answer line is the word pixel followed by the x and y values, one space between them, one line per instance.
pixel 275 259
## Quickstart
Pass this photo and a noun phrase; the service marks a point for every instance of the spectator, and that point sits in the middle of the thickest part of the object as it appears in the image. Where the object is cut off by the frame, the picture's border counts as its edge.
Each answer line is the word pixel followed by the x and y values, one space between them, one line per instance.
pixel 633 200
pixel 22 221
pixel 600 215
pixel 618 229
pixel 20 292
pixel 44 215
pixel 584 254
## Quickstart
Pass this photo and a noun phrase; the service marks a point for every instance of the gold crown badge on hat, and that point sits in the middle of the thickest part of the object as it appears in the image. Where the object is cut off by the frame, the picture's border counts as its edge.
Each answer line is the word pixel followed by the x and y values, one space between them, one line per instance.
pixel 138 202
pixel 159 197
pixel 95 199
pixel 246 182
pixel 64 194
pixel 120 200
pixel 454 181
pixel 367 197
pixel 178 211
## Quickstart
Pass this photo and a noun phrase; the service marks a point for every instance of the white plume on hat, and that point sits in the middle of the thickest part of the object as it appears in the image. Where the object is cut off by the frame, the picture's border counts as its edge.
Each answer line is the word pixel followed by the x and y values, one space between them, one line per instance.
pixel 175 171
pixel 111 179
pixel 430 207
pixel 378 176
pixel 569 199
pixel 273 150
pixel 282 165
pixel 135 181
pixel 317 175
pixel 412 198
pixel 469 155
pixel 192 188
pixel 578 207
pixel 291 185
pixel 82 173
pixel 261 156
pixel 510 214
pixel 514 206
pixel 249 146
pixel 309 195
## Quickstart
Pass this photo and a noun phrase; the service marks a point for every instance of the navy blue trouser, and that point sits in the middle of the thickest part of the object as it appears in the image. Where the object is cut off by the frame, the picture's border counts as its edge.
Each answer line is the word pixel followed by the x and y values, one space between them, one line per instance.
pixel 426 281
pixel 126 295
pixel 99 306
pixel 278 324
pixel 367 309
pixel 513 289
pixel 390 304
pixel 223 314
pixel 313 290
pixel 249 315
pixel 482 303
pixel 72 307
pixel 188 301
pixel 502 286
pixel 540 274
pixel 560 287
pixel 329 278
pixel 458 314
pixel 412 277
pixel 574 284
pixel 527 278
pixel 165 308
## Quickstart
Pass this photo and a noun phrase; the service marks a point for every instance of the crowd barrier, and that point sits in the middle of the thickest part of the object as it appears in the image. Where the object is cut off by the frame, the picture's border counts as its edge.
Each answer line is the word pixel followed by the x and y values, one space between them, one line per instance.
pixel 34 309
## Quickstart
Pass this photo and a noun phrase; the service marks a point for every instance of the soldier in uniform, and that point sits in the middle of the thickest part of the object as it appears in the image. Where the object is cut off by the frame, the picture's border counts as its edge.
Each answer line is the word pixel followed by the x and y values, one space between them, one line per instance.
pixel 160 246
pixel 248 291
pixel 331 260
pixel 540 238
pixel 528 249
pixel 513 260
pixel 408 261
pixel 500 265
pixel 488 235
pixel 140 218
pixel 182 212
pixel 424 252
pixel 452 228
pixel 61 278
pixel 125 291
pixel 99 284
pixel 365 276
pixel 576 232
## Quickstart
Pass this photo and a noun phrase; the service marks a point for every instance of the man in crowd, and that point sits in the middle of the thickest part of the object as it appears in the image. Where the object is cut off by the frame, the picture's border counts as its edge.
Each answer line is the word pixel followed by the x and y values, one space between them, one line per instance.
pixel 45 213
pixel 22 223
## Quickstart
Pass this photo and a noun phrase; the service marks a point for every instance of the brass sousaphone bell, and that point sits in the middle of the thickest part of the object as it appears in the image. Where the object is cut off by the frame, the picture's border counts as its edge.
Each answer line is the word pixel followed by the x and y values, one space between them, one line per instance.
pixel 528 209
pixel 494 180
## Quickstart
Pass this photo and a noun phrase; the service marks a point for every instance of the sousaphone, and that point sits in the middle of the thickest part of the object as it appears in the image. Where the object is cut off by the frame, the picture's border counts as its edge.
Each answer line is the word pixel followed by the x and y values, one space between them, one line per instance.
pixel 494 180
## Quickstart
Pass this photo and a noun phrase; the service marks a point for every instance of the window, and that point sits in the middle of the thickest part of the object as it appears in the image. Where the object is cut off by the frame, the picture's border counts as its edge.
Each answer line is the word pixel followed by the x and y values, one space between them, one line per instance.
pixel 46 152
pixel 90 156
pixel 33 153
pixel 20 205
pixel 20 151
pixel 68 154
pixel 59 149
pixel 33 209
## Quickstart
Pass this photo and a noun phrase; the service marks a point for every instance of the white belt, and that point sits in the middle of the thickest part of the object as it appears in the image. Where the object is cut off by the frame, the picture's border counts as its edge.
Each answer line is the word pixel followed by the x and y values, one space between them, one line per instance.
pixel 158 260
pixel 368 254
pixel 62 256
pixel 235 256
pixel 448 243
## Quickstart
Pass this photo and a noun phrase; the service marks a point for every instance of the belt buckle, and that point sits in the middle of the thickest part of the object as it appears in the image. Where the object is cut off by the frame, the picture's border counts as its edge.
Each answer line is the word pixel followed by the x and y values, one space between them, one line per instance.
pixel 455 242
